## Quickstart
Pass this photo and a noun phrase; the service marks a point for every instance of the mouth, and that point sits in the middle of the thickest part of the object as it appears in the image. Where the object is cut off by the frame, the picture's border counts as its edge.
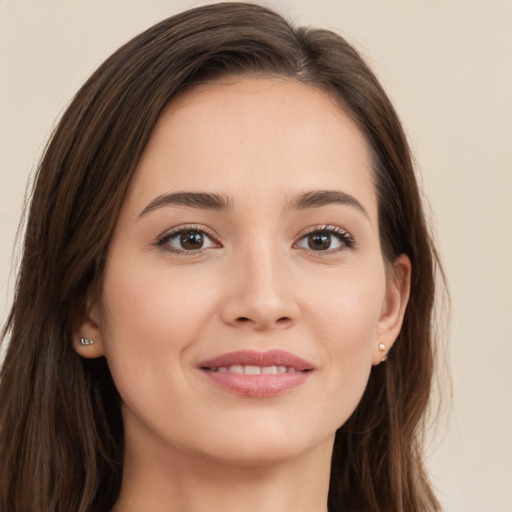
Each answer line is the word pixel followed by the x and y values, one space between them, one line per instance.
pixel 257 374
pixel 250 369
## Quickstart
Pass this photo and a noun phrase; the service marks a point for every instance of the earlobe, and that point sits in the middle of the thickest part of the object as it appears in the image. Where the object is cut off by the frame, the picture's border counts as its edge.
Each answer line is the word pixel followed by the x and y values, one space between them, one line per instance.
pixel 393 310
pixel 87 337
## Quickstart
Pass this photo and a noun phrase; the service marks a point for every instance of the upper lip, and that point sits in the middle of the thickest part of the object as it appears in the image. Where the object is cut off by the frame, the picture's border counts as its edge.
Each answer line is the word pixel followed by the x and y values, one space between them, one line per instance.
pixel 252 357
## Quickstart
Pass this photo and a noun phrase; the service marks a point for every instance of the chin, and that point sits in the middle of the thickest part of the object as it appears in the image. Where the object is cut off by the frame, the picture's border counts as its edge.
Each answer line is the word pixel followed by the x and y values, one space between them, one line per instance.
pixel 264 446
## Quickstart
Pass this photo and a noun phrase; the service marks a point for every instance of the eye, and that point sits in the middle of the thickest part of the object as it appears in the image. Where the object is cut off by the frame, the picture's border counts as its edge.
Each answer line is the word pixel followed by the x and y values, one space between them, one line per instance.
pixel 187 240
pixel 326 239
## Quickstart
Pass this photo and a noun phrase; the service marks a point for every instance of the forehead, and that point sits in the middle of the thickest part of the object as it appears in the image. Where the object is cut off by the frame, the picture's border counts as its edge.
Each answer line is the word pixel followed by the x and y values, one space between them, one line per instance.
pixel 250 135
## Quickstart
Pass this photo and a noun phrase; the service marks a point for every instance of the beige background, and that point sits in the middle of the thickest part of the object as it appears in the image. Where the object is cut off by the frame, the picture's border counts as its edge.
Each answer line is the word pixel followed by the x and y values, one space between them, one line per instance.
pixel 448 67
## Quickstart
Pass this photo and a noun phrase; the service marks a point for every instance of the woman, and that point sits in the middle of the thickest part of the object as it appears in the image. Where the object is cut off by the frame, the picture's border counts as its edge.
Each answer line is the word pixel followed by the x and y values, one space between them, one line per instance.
pixel 226 292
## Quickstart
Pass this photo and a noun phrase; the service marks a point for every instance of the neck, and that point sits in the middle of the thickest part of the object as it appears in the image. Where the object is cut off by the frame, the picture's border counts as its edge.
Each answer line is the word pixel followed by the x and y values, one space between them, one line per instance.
pixel 166 479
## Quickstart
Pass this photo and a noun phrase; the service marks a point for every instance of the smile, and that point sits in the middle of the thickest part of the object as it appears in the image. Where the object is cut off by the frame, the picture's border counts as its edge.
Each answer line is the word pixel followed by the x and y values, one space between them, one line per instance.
pixel 250 369
pixel 257 374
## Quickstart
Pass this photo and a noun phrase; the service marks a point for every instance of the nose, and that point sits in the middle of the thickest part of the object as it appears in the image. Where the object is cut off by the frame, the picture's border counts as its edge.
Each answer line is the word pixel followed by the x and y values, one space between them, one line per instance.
pixel 260 293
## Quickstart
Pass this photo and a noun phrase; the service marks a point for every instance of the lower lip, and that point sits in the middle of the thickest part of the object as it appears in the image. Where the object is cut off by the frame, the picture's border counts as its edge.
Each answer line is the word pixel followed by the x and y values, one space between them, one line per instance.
pixel 259 386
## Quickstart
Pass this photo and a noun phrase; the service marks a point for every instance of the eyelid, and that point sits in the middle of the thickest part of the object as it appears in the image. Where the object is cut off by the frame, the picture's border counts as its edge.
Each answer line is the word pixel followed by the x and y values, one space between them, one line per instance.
pixel 162 239
pixel 346 239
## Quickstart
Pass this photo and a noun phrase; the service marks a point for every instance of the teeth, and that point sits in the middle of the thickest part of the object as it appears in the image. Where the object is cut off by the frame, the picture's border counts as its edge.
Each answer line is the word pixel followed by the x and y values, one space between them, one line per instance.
pixel 250 369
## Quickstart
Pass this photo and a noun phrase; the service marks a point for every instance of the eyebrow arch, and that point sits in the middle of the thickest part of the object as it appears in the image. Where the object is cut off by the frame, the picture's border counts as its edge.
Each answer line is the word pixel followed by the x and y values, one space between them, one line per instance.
pixel 318 198
pixel 201 200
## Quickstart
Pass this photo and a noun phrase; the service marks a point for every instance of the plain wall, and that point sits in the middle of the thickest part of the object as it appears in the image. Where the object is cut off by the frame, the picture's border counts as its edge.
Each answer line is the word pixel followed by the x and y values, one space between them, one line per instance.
pixel 447 65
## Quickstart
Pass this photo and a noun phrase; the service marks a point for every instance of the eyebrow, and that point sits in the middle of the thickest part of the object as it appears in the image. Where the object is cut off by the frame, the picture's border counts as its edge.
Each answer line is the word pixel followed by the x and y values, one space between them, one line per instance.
pixel 201 200
pixel 219 202
pixel 319 198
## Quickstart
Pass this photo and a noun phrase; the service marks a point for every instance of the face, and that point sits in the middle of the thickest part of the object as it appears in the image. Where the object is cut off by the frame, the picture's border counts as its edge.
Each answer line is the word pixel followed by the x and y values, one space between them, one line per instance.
pixel 245 295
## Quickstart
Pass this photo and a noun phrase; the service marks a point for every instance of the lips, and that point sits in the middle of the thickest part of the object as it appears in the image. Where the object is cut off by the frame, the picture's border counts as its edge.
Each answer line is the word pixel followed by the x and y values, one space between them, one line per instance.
pixel 257 374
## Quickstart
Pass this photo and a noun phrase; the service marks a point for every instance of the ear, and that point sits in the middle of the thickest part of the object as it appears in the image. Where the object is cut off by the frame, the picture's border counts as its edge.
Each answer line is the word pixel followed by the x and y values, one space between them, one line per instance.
pixel 393 309
pixel 88 326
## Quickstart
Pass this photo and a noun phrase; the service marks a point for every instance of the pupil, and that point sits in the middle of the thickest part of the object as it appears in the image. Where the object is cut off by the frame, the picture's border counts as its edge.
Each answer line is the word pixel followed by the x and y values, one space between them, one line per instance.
pixel 191 240
pixel 319 241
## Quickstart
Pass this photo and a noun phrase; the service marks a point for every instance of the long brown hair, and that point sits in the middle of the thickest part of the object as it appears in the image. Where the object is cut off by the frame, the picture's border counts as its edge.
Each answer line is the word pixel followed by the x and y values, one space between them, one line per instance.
pixel 61 432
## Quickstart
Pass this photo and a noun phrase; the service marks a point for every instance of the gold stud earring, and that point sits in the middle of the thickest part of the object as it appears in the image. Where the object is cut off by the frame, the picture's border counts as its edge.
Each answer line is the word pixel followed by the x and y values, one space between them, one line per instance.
pixel 84 341
pixel 384 351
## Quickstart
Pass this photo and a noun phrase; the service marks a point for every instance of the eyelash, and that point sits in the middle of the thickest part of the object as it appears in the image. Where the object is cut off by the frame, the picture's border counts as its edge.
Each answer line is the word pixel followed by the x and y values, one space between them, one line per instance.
pixel 163 241
pixel 346 240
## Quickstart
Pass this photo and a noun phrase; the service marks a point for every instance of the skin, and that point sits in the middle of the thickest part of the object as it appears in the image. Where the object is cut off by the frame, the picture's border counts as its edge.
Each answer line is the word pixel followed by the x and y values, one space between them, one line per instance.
pixel 257 284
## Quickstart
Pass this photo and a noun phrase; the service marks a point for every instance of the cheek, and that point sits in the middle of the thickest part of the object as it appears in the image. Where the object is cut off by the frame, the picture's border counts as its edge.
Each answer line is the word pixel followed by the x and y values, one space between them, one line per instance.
pixel 149 320
pixel 148 307
pixel 345 316
pixel 348 307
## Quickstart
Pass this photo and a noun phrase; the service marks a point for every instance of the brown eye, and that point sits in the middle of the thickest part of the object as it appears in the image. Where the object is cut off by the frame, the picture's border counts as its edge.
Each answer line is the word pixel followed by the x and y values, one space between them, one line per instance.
pixel 319 241
pixel 186 241
pixel 191 240
pixel 330 239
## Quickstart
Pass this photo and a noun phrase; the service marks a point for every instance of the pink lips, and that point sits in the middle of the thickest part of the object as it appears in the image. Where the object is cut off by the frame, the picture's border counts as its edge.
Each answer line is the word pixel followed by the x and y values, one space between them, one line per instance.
pixel 257 374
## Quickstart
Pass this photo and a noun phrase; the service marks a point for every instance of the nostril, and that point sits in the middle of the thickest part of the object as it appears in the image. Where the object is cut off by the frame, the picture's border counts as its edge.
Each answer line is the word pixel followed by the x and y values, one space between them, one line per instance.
pixel 284 320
